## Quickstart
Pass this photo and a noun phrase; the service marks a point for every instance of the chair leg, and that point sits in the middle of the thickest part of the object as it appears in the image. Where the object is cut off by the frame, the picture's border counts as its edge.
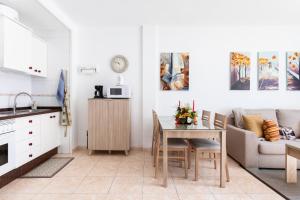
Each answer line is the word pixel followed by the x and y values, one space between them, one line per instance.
pixel 189 157
pixel 196 165
pixel 227 171
pixel 186 162
pixel 156 162
pixel 215 161
pixel 154 155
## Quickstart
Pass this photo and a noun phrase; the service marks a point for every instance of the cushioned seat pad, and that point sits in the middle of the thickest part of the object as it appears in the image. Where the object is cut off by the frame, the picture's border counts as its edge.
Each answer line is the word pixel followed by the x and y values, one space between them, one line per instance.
pixel 175 143
pixel 205 144
pixel 274 148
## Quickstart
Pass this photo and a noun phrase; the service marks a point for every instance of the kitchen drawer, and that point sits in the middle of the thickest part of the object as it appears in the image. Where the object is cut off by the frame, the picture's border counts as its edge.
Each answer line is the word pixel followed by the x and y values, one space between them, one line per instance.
pixel 27 127
pixel 28 122
pixel 27 145
pixel 26 156
pixel 27 150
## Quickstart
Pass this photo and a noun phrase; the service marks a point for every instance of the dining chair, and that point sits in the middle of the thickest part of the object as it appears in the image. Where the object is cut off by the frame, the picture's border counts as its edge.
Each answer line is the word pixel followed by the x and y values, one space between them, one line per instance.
pixel 210 146
pixel 175 145
pixel 205 115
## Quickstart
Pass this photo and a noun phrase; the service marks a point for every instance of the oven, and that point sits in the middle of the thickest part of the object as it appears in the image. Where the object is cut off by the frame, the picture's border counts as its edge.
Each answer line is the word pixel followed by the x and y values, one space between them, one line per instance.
pixel 7 148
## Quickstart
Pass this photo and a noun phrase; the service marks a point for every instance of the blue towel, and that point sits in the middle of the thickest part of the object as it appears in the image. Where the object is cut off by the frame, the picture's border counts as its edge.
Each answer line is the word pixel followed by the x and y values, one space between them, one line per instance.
pixel 60 94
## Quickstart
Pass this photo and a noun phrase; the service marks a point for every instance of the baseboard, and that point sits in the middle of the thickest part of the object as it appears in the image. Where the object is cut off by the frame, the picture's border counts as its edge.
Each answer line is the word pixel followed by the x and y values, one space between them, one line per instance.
pixel 131 148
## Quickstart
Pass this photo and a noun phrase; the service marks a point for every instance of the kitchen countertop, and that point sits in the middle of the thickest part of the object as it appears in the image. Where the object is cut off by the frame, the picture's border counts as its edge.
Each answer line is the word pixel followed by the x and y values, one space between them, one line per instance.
pixel 7 113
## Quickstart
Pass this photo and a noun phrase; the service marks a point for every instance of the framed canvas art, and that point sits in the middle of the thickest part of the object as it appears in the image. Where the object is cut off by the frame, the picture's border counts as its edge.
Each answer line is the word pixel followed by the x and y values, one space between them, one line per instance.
pixel 174 71
pixel 293 70
pixel 240 70
pixel 268 70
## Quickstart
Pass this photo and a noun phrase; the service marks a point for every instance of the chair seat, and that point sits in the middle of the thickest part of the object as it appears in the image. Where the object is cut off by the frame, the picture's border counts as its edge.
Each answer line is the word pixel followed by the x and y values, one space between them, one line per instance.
pixel 205 144
pixel 175 143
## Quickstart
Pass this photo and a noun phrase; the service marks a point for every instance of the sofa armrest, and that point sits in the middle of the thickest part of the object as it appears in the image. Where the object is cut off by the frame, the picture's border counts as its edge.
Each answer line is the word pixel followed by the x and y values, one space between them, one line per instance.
pixel 242 145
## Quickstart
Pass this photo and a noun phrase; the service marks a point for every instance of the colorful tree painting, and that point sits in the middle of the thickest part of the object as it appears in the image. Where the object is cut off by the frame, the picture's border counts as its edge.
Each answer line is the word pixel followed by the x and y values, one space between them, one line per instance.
pixel 268 71
pixel 174 71
pixel 293 71
pixel 240 71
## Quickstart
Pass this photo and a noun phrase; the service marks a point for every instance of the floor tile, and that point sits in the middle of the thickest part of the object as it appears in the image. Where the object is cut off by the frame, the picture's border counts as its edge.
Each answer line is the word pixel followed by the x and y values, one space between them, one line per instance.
pixel 95 185
pixel 26 186
pixel 63 185
pixel 196 197
pixel 154 186
pixel 16 196
pixel 124 196
pixel 159 196
pixel 127 185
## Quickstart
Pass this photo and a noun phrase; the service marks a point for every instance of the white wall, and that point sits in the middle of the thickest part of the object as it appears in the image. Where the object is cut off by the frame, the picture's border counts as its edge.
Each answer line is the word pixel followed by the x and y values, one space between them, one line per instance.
pixel 10 84
pixel 96 47
pixel 209 50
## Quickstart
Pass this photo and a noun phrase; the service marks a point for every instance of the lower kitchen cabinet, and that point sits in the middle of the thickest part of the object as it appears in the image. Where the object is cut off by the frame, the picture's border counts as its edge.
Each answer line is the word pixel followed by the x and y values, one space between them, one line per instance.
pixel 36 135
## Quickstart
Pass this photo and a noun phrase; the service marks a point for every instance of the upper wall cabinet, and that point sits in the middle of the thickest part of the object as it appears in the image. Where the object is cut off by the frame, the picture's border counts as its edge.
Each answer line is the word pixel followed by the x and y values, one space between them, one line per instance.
pixel 39 57
pixel 20 50
pixel 15 45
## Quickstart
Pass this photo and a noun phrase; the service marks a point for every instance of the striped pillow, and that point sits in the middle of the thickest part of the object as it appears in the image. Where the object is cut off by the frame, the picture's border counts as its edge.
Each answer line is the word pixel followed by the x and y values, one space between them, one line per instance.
pixel 271 130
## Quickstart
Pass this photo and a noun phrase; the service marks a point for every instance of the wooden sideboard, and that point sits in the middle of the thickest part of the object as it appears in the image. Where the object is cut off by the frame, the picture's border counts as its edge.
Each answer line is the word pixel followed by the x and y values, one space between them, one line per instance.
pixel 109 125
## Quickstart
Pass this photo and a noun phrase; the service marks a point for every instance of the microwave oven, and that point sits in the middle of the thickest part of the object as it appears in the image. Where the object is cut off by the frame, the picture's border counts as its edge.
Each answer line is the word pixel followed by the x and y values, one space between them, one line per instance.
pixel 120 91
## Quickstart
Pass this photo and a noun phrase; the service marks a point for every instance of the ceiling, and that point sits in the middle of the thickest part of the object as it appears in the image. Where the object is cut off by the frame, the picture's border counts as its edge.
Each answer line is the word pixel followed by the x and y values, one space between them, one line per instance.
pixel 35 16
pixel 181 12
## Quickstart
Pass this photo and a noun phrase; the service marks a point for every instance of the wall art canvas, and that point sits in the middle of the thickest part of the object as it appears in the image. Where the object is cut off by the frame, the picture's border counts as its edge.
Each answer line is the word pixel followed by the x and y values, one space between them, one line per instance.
pixel 174 71
pixel 240 70
pixel 293 70
pixel 268 71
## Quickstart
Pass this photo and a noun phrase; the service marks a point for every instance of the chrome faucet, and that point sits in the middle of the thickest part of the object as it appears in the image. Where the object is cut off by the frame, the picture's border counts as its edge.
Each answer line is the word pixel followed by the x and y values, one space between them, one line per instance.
pixel 19 94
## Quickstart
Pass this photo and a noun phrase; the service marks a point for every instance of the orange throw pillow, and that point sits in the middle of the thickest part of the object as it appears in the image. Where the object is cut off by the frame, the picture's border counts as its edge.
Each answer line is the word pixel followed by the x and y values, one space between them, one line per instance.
pixel 271 130
pixel 254 123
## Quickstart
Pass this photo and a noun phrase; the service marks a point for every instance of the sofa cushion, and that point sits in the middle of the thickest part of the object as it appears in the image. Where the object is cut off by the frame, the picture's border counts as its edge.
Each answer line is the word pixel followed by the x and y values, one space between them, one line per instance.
pixel 238 117
pixel 289 118
pixel 254 123
pixel 264 113
pixel 274 148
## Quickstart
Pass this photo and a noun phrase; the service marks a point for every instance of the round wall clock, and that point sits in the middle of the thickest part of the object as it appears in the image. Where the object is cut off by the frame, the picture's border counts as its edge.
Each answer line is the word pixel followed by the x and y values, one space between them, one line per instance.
pixel 119 64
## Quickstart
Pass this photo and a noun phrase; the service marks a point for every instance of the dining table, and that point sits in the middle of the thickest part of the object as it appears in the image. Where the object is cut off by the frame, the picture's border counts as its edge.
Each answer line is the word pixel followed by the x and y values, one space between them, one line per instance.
pixel 202 129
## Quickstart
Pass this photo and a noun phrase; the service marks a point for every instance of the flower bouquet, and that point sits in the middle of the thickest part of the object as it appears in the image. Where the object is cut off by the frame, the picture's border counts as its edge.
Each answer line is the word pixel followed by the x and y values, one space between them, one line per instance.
pixel 186 114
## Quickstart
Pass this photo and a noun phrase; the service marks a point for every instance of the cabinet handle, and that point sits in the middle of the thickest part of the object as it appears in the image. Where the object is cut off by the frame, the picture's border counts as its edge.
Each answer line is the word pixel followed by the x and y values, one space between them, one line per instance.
pixel 35 70
pixel 30 133
pixel 30 155
pixel 30 121
pixel 54 116
pixel 51 117
pixel 39 71
pixel 30 67
pixel 30 144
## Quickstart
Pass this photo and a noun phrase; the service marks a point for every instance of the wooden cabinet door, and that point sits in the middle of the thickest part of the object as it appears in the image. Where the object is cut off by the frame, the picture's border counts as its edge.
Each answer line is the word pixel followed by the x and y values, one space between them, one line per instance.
pixel 98 123
pixel 119 116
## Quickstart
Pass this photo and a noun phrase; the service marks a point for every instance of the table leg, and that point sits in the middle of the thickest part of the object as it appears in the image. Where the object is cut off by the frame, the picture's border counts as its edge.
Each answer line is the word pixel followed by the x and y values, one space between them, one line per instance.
pixel 165 159
pixel 223 158
pixel 290 168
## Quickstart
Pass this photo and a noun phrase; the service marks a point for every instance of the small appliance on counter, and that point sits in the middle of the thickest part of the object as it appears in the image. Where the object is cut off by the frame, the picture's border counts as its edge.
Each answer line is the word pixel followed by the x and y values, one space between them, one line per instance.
pixel 119 92
pixel 99 91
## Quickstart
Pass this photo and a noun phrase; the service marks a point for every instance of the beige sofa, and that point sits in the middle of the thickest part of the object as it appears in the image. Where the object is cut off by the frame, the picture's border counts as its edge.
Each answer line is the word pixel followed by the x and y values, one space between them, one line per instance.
pixel 249 150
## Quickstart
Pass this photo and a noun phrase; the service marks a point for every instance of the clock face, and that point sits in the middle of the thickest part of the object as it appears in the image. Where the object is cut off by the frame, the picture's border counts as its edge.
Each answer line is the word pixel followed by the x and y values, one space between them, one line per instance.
pixel 119 64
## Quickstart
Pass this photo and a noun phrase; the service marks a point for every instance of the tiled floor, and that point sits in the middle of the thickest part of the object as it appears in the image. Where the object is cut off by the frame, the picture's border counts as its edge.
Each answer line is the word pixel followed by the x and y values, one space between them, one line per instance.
pixel 117 177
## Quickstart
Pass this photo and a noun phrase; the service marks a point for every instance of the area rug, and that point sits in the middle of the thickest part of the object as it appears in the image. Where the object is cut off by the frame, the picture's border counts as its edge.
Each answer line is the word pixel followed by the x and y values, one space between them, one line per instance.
pixel 49 168
pixel 275 179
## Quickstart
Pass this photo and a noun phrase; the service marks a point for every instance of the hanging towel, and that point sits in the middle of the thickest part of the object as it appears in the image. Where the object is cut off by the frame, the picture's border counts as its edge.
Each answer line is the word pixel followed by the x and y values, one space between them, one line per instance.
pixel 65 119
pixel 60 94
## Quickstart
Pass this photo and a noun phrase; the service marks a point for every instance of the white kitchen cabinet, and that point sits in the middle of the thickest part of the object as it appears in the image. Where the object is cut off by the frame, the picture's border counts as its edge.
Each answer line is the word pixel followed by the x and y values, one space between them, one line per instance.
pixel 36 135
pixel 15 45
pixel 50 131
pixel 39 57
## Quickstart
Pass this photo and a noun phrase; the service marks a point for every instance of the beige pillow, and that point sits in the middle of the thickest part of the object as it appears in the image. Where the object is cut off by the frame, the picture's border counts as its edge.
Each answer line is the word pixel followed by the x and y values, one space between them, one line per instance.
pixel 254 123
